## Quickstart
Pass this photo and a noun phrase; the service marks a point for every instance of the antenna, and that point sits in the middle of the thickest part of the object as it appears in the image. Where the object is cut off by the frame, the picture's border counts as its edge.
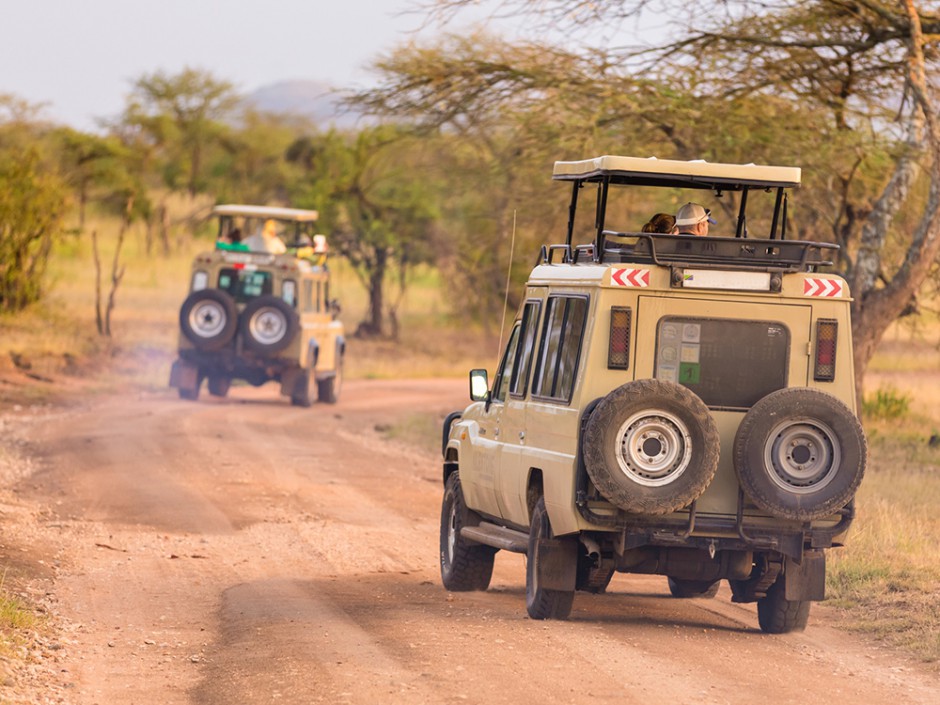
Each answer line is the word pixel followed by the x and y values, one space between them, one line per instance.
pixel 502 325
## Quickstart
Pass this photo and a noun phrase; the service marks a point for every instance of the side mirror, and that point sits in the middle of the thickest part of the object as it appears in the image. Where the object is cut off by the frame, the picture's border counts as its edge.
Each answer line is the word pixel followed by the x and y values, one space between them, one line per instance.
pixel 479 386
pixel 334 308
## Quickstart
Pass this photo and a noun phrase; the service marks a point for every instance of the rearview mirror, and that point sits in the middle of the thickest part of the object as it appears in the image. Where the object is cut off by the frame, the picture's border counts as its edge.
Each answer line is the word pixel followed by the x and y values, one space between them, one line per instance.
pixel 479 386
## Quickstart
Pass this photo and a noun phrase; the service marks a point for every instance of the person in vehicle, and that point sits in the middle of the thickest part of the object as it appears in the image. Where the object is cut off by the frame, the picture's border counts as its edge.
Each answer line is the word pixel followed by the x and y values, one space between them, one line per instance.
pixel 267 240
pixel 660 223
pixel 693 219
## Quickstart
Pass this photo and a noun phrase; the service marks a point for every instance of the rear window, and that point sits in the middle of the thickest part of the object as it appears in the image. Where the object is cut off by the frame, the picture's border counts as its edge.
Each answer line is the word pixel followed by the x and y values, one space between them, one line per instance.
pixel 730 364
pixel 244 284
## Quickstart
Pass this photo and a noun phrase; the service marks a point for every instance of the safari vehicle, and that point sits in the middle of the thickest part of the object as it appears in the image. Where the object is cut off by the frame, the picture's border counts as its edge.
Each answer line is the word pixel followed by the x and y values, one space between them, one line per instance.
pixel 666 404
pixel 260 316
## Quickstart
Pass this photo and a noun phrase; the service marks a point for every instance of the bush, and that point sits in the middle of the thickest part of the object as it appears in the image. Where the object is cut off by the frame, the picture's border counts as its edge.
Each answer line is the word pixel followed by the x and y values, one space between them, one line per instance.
pixel 32 206
pixel 887 404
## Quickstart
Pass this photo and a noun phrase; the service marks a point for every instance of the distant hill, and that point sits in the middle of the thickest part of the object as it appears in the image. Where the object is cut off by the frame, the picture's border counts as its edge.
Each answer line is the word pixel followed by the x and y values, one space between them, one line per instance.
pixel 316 100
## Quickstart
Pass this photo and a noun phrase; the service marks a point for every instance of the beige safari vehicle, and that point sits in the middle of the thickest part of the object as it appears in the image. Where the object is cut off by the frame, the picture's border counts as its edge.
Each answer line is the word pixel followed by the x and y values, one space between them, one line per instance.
pixel 261 315
pixel 666 404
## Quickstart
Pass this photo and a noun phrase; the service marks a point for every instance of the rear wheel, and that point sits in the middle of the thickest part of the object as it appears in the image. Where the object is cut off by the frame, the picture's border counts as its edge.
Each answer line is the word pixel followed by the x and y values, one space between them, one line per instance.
pixel 303 389
pixel 219 385
pixel 679 587
pixel 465 565
pixel 778 615
pixel 540 602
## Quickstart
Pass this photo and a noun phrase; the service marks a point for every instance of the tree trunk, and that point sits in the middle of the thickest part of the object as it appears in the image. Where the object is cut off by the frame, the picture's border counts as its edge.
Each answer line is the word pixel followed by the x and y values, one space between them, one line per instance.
pixel 376 314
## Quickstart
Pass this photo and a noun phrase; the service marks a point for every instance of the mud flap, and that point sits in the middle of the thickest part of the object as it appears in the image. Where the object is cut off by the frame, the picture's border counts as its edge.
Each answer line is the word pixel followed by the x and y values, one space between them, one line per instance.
pixel 805 580
pixel 184 375
pixel 558 564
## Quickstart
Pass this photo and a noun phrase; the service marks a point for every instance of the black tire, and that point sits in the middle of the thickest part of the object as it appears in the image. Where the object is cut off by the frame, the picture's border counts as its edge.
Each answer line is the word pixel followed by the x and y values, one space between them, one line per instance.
pixel 328 389
pixel 777 615
pixel 208 319
pixel 541 603
pixel 679 587
pixel 465 565
pixel 219 385
pixel 303 389
pixel 651 447
pixel 268 325
pixel 189 394
pixel 800 454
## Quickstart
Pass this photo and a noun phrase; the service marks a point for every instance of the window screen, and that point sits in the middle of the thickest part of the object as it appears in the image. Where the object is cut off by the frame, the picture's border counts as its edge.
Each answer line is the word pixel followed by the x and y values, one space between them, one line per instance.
pixel 507 366
pixel 561 346
pixel 729 364
pixel 244 285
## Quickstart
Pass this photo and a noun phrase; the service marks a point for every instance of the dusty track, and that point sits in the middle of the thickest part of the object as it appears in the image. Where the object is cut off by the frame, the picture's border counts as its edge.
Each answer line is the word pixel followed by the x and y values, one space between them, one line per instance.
pixel 244 551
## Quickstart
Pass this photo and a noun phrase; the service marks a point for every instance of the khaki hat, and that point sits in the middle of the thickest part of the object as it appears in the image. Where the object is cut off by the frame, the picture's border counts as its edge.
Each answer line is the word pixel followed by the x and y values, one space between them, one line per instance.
pixel 692 214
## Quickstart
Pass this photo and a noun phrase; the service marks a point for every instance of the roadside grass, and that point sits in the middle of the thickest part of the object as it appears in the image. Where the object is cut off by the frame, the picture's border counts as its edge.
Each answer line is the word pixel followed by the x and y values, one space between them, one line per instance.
pixel 16 618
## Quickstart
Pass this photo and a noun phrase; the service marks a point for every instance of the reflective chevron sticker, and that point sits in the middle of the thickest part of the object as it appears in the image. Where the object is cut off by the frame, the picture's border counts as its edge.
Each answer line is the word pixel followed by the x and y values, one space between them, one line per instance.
pixel 630 277
pixel 828 288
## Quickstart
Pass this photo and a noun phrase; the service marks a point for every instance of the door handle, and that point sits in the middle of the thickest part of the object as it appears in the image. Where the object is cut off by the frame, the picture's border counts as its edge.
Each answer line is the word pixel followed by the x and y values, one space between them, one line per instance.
pixel 522 435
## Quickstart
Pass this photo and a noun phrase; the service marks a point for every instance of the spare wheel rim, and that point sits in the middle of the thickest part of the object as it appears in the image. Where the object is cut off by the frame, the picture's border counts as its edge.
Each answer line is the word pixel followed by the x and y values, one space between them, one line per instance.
pixel 802 455
pixel 653 448
pixel 207 318
pixel 268 326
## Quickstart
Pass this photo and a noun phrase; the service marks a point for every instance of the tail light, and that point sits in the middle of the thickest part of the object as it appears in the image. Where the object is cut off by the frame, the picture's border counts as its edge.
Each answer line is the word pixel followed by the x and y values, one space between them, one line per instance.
pixel 826 333
pixel 618 351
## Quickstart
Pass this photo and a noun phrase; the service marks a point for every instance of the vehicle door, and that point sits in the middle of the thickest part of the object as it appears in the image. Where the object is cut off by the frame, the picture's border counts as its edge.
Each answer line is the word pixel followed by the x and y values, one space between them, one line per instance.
pixel 514 462
pixel 479 472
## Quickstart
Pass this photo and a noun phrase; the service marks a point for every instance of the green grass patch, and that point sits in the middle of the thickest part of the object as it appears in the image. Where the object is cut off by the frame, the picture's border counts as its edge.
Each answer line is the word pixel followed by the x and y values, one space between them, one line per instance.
pixel 886 404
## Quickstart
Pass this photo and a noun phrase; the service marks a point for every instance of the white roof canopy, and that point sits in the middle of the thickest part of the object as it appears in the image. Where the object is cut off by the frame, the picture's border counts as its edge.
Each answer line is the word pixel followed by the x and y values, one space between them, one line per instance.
pixel 670 172
pixel 293 214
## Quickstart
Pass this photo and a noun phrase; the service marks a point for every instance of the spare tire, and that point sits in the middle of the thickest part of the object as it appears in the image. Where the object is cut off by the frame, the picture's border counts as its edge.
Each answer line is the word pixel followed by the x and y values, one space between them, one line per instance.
pixel 208 319
pixel 651 447
pixel 268 325
pixel 800 453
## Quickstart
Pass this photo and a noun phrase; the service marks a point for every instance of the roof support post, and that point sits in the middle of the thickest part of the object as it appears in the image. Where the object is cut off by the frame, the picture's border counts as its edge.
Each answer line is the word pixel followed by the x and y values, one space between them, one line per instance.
pixel 572 208
pixel 777 202
pixel 741 230
pixel 599 217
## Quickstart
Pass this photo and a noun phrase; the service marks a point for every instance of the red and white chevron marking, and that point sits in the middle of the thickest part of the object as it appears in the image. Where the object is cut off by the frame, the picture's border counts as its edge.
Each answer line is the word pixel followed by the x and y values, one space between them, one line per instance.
pixel 828 288
pixel 630 277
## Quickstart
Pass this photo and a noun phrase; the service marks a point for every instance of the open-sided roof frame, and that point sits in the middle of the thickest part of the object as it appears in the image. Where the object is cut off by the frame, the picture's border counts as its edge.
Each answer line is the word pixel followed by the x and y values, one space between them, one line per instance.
pixel 292 214
pixel 681 174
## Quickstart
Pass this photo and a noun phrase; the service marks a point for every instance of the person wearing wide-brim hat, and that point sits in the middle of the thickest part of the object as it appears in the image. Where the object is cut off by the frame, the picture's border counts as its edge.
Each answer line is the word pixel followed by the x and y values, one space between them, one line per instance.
pixel 693 219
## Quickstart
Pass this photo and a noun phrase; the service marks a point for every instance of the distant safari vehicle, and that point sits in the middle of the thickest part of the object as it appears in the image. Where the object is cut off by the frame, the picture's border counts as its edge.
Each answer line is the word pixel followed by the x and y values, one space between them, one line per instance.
pixel 259 309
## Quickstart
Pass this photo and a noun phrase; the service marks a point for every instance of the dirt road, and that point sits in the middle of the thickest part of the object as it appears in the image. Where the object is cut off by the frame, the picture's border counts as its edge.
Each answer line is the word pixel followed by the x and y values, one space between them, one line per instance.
pixel 245 551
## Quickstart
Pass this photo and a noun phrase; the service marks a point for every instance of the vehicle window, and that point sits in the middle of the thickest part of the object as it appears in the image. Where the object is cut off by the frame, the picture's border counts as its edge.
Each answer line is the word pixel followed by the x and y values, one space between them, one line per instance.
pixel 561 347
pixel 506 367
pixel 244 285
pixel 530 319
pixel 729 364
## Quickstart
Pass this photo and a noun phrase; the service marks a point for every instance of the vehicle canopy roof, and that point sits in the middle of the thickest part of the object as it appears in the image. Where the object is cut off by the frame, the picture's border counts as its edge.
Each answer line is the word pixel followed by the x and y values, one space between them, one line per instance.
pixel 683 174
pixel 291 214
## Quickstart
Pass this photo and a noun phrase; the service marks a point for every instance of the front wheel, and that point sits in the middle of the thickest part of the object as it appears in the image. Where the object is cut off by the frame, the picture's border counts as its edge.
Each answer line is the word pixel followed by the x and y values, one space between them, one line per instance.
pixel 465 565
pixel 540 602
pixel 328 389
pixel 778 615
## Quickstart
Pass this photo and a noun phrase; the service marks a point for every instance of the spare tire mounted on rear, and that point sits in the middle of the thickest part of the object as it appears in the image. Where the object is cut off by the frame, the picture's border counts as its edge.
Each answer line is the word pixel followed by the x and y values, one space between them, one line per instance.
pixel 651 447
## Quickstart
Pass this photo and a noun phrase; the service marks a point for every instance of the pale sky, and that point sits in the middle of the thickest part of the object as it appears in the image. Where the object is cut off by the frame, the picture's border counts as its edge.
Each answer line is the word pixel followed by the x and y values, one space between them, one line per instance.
pixel 80 56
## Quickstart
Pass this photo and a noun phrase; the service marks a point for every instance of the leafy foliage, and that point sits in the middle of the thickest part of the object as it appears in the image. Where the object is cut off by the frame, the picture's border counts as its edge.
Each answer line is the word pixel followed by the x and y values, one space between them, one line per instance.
pixel 32 206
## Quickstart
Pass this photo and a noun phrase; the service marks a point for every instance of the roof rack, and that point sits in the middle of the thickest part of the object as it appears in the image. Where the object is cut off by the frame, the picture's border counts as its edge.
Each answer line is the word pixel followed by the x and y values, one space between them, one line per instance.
pixel 690 251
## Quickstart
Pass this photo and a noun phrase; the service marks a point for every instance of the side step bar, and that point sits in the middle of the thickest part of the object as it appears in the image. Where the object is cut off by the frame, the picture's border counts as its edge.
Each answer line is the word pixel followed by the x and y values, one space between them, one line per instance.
pixel 497 537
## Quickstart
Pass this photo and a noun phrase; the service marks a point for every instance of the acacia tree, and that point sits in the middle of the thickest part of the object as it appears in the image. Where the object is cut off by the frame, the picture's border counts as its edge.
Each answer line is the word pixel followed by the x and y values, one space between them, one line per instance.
pixel 373 202
pixel 863 70
pixel 180 116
